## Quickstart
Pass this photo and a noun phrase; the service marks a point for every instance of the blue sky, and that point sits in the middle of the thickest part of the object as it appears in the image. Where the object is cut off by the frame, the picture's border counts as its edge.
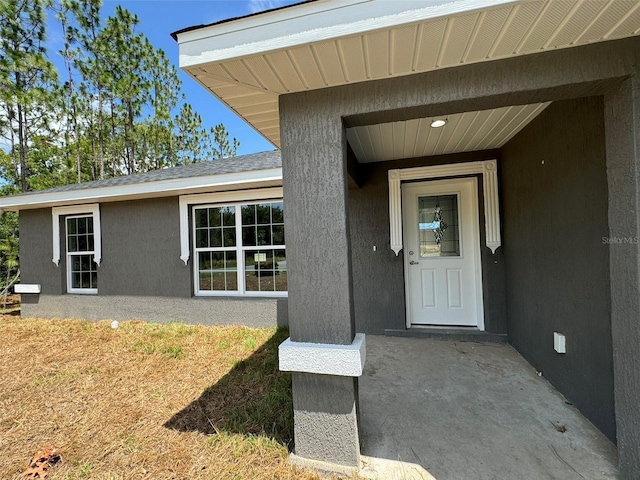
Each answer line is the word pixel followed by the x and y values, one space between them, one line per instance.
pixel 158 18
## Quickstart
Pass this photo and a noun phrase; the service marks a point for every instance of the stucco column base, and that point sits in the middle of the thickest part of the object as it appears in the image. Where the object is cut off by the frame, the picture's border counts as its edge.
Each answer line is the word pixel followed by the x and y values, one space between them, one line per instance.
pixel 370 467
pixel 325 421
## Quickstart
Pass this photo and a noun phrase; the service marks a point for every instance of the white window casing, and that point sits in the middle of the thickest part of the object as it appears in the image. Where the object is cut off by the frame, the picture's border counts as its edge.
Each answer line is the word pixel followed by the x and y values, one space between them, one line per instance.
pixel 93 210
pixel 274 193
pixel 76 277
pixel 489 171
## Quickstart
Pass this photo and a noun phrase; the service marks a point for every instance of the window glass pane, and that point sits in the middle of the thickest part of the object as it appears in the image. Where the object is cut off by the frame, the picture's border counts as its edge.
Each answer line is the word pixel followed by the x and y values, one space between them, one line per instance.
pixel 201 217
pixel 83 245
pixel 229 216
pixel 229 237
pixel 263 213
pixel 218 271
pixel 90 224
pixel 438 230
pixel 214 217
pixel 248 215
pixel 261 270
pixel 82 225
pixel 84 272
pixel 202 238
pixel 85 263
pixel 71 225
pixel 72 244
pixel 206 280
pixel 277 234
pixel 230 271
pixel 277 212
pixel 204 260
pixel 263 235
pixel 249 236
pixel 280 261
pixel 215 237
pixel 217 281
pixel 91 243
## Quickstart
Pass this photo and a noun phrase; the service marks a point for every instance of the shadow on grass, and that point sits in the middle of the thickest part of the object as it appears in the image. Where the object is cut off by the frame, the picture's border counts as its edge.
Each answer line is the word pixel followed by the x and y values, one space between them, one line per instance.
pixel 254 398
pixel 10 312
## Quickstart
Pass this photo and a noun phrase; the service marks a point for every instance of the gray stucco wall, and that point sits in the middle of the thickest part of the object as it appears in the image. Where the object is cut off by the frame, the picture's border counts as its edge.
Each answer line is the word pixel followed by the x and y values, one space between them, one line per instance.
pixel 252 312
pixel 554 194
pixel 622 124
pixel 378 277
pixel 141 249
pixel 141 275
pixel 36 252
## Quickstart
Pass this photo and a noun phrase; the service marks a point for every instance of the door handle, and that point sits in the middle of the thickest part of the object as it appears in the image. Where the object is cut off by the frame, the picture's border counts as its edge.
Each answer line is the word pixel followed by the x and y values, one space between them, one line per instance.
pixel 413 263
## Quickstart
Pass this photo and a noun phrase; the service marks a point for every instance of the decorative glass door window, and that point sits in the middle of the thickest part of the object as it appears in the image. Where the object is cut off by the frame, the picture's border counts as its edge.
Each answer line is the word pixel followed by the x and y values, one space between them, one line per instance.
pixel 240 238
pixel 82 274
pixel 438 227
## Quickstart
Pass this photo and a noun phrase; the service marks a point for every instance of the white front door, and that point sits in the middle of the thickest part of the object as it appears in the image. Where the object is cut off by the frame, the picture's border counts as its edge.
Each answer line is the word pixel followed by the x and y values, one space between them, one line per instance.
pixel 442 253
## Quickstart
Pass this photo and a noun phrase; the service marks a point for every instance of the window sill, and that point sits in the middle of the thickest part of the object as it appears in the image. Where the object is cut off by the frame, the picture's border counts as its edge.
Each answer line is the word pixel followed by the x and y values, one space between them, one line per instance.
pixel 236 295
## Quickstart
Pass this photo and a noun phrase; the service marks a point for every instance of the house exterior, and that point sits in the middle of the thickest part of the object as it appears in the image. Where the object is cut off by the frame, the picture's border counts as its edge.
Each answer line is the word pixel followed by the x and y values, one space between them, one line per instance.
pixel 463 167
pixel 517 217
pixel 159 246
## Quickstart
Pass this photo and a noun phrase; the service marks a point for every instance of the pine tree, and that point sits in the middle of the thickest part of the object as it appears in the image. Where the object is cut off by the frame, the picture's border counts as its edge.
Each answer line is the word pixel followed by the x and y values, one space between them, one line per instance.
pixel 26 79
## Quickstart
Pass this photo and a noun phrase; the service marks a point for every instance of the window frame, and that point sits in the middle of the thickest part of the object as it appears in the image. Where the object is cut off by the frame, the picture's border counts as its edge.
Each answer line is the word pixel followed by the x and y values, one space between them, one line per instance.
pixel 69 255
pixel 62 213
pixel 187 237
pixel 239 250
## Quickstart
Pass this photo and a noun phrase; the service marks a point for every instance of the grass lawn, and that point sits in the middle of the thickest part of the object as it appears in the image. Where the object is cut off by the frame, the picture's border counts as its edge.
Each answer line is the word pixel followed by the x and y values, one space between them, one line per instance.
pixel 144 401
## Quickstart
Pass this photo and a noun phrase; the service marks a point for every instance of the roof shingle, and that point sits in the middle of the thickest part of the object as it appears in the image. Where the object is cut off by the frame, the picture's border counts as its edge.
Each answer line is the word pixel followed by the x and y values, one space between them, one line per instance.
pixel 243 163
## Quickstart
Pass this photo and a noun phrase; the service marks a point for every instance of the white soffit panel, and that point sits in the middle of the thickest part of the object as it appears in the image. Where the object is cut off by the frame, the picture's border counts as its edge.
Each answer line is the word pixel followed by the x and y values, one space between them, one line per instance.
pixel 336 42
pixel 464 132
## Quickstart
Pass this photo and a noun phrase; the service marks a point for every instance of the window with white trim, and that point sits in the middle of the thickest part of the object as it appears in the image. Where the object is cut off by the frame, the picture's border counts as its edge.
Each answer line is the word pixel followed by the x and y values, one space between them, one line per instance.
pixel 82 244
pixel 82 272
pixel 239 248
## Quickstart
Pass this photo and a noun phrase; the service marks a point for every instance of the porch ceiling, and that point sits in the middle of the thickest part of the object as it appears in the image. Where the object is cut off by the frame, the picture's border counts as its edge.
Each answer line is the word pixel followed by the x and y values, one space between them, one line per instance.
pixel 464 132
pixel 247 63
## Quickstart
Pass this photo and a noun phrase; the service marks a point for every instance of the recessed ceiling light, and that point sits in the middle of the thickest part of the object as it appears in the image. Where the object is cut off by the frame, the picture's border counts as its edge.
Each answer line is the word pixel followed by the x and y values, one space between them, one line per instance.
pixel 439 122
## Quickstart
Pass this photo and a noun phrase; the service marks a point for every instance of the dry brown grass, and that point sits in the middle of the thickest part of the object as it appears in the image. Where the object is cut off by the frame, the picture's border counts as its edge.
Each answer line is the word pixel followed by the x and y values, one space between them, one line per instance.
pixel 12 305
pixel 144 401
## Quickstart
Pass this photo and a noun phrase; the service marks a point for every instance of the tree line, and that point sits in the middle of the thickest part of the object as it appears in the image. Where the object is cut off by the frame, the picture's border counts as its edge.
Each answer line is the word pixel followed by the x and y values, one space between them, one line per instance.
pixel 113 109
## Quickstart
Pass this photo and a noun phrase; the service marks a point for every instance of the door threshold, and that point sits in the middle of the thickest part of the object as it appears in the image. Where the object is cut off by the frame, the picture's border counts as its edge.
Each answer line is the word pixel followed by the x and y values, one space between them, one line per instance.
pixel 461 334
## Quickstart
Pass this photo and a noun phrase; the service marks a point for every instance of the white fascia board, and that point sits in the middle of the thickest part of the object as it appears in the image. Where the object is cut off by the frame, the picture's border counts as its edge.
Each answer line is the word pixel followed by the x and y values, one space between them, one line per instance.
pixel 313 22
pixel 149 189
pixel 323 358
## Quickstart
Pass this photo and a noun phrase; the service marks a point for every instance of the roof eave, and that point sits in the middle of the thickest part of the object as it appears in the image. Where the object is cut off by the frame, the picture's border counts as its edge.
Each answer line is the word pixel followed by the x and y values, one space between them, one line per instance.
pixel 164 188
pixel 310 23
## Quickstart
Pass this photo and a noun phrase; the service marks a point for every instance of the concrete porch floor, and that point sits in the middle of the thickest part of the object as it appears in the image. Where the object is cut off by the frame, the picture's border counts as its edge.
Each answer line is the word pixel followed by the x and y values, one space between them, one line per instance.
pixel 473 411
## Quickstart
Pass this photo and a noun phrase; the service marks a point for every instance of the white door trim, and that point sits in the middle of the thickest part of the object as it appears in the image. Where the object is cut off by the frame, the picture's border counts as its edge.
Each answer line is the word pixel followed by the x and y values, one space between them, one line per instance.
pixel 476 252
pixel 489 171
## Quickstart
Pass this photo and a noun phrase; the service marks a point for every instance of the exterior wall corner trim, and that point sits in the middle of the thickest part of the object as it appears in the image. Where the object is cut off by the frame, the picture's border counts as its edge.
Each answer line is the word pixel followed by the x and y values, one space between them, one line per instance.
pixel 489 171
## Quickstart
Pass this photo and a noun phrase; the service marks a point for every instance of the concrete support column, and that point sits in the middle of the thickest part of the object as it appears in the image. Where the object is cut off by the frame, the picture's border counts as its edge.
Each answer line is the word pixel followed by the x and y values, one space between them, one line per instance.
pixel 622 123
pixel 320 299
